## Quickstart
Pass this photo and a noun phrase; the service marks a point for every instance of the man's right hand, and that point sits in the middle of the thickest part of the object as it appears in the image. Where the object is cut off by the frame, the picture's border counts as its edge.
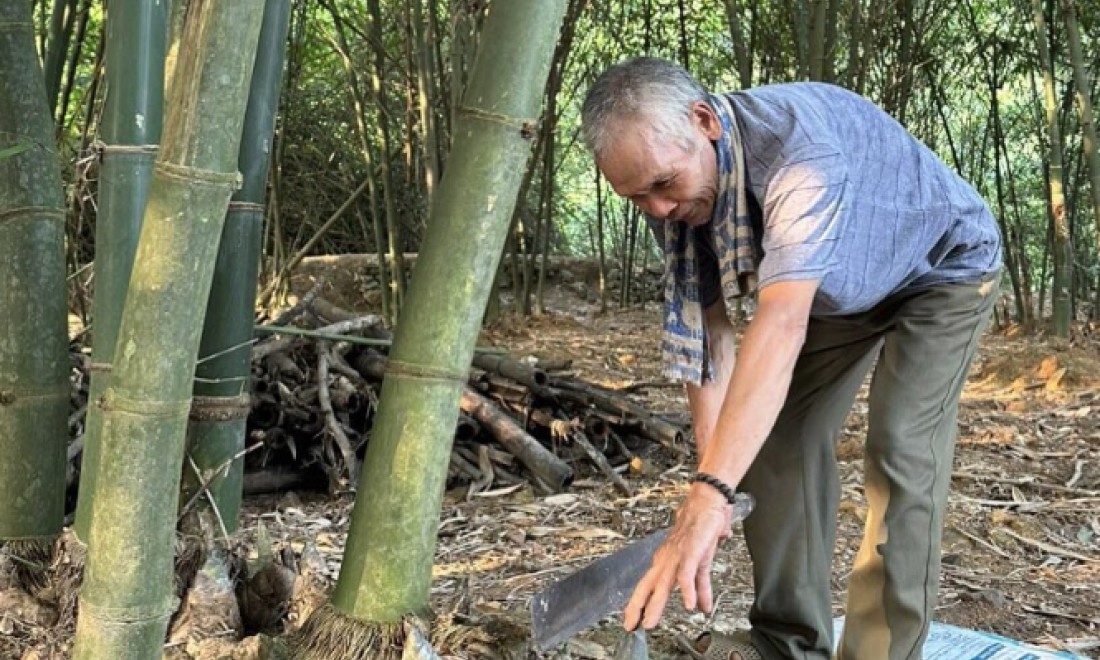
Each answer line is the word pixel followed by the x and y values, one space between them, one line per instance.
pixel 686 558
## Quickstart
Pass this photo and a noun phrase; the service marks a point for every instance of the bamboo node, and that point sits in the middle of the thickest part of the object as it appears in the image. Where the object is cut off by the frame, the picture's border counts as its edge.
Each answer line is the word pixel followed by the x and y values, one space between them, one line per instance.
pixel 132 614
pixel 425 372
pixel 113 401
pixel 23 212
pixel 246 207
pixel 192 175
pixel 526 127
pixel 220 408
pixel 11 26
pixel 103 367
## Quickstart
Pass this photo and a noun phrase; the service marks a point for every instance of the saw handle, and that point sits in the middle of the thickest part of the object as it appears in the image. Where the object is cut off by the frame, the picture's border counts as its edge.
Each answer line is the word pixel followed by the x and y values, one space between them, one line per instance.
pixel 743 504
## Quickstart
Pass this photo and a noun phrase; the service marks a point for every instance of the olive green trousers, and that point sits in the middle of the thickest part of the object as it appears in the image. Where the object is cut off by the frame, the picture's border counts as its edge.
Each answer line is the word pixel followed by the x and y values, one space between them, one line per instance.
pixel 921 343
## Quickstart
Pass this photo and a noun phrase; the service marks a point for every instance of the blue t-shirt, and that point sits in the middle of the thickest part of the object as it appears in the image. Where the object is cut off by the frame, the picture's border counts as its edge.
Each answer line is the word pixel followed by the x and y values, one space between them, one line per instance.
pixel 842 193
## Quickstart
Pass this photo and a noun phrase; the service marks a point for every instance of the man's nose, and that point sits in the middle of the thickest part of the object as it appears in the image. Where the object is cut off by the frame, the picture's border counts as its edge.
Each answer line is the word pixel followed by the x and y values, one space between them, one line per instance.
pixel 658 207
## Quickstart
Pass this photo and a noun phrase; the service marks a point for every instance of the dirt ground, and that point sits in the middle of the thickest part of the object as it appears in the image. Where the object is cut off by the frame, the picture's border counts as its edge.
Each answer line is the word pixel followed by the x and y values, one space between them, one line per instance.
pixel 1021 545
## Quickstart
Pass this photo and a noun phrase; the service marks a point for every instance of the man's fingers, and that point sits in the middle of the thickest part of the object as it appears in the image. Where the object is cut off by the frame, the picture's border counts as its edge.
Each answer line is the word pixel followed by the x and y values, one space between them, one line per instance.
pixel 636 606
pixel 664 580
pixel 654 609
pixel 694 580
pixel 630 618
pixel 684 560
pixel 686 579
pixel 705 594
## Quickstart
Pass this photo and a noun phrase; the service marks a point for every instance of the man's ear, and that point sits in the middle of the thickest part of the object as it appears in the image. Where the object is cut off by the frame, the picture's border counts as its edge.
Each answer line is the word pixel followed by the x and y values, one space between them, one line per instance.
pixel 702 115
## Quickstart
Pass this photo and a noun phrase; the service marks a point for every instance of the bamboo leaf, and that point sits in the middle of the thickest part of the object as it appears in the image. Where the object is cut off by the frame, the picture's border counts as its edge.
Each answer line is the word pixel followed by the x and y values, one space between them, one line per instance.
pixel 15 150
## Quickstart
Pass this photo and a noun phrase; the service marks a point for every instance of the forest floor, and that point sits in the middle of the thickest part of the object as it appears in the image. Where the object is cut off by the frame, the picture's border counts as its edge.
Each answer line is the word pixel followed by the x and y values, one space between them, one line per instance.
pixel 1021 544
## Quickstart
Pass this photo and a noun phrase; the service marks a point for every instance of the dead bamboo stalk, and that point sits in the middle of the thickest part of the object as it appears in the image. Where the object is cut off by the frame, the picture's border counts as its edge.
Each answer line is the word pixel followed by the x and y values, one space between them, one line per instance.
pixel 648 425
pixel 360 324
pixel 332 425
pixel 553 471
pixel 512 369
pixel 600 460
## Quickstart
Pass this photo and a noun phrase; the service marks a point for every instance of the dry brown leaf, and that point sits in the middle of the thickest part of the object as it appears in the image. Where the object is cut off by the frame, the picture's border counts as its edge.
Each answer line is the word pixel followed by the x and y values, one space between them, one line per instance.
pixel 1054 381
pixel 17 605
pixel 1047 367
pixel 540 531
pixel 590 533
pixel 561 499
pixel 1018 406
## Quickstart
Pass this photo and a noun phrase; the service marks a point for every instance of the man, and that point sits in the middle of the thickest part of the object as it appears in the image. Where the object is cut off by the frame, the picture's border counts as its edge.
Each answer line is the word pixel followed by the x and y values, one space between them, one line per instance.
pixel 863 249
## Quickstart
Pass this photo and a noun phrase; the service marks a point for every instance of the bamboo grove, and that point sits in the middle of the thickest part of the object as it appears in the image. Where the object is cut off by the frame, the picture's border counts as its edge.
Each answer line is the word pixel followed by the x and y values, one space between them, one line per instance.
pixel 154 152
pixel 355 171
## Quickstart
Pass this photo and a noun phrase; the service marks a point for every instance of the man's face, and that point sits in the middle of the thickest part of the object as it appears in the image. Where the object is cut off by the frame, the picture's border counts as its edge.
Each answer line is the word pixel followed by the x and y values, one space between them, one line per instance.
pixel 665 176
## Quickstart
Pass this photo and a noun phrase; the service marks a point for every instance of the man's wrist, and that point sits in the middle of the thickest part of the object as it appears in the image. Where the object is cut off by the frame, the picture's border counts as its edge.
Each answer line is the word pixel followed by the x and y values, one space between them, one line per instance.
pixel 721 487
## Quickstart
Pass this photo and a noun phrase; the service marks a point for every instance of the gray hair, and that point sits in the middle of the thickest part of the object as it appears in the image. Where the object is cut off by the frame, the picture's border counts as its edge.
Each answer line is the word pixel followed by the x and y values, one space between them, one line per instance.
pixel 647 88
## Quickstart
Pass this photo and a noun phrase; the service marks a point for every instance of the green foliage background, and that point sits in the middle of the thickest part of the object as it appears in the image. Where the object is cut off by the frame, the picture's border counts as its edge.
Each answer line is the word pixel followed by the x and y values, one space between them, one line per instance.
pixel 928 62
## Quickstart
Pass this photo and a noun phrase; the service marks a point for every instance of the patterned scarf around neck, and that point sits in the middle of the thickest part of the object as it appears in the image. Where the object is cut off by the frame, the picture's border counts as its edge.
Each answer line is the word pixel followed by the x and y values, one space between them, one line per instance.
pixel 684 345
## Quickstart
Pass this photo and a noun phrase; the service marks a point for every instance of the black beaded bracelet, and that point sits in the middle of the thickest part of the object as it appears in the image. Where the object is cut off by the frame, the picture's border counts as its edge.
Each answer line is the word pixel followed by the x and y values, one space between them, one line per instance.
pixel 722 487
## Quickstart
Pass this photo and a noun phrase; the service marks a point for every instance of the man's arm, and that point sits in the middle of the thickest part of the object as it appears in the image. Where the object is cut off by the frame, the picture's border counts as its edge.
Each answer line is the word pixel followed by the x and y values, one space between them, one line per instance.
pixel 757 389
pixel 758 386
pixel 706 400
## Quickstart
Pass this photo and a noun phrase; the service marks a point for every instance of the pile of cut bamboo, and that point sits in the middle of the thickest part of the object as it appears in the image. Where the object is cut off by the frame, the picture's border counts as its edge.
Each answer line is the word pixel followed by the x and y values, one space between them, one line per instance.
pixel 315 392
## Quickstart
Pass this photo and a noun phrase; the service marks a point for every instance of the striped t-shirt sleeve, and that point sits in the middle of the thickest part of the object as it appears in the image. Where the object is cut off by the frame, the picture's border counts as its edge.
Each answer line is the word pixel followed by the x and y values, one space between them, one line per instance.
pixel 803 210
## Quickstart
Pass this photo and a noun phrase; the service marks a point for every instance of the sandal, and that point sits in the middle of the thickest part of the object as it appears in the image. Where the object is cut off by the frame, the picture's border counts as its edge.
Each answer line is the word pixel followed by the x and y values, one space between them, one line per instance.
pixel 722 646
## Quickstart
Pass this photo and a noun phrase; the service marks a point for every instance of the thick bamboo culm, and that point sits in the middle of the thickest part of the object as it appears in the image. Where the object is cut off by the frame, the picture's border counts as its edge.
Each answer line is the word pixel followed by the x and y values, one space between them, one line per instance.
pixel 128 593
pixel 131 130
pixel 386 576
pixel 216 431
pixel 34 356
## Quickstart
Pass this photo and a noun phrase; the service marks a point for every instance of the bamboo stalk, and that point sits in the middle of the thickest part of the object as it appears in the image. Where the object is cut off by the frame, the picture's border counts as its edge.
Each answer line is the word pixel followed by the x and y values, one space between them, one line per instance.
pixel 600 461
pixel 220 409
pixel 34 364
pixel 532 377
pixel 385 579
pixel 1089 144
pixel 128 595
pixel 333 332
pixel 135 47
pixel 1062 252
